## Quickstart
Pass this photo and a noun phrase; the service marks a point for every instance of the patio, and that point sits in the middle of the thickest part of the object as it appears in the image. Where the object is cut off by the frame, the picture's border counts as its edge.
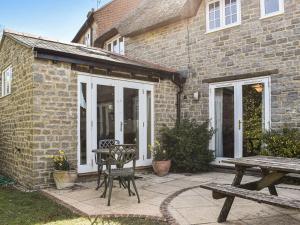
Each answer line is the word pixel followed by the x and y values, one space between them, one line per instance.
pixel 178 198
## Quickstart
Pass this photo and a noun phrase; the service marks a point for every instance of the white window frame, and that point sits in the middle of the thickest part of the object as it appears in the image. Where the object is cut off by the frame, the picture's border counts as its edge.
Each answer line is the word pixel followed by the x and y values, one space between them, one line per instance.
pixel 222 15
pixel 112 40
pixel 6 83
pixel 87 38
pixel 263 9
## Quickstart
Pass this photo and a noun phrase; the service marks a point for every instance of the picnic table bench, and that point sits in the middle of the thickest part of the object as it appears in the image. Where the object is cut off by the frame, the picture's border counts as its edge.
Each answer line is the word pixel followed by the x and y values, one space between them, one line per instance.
pixel 273 169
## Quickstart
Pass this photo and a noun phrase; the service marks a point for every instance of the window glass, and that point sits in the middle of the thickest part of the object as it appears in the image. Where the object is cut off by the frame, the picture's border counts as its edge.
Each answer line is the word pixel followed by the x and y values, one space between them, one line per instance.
pixel 271 6
pixel 230 12
pixel 214 15
pixel 6 81
pixel 109 47
pixel 87 39
pixel 121 43
pixel 222 13
pixel 83 124
pixel 115 46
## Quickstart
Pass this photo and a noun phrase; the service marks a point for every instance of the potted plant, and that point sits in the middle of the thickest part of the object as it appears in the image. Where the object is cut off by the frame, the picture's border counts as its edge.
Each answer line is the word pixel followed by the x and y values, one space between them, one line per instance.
pixel 63 176
pixel 161 163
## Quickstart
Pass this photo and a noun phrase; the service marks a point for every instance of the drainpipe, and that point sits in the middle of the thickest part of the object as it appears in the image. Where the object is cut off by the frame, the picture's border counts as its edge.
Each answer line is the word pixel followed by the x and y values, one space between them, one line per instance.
pixel 179 83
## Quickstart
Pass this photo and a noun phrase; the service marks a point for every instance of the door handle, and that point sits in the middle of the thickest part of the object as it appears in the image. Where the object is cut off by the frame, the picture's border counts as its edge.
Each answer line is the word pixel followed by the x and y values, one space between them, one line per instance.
pixel 121 126
pixel 240 123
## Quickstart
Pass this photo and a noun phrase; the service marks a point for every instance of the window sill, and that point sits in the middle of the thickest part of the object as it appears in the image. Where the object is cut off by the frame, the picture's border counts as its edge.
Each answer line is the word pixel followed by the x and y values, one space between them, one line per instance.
pixel 1 97
pixel 223 28
pixel 271 15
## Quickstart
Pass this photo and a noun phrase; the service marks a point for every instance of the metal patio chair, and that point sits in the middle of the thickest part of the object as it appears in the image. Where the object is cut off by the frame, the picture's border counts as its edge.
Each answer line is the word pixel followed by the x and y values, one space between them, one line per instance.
pixel 119 156
pixel 100 157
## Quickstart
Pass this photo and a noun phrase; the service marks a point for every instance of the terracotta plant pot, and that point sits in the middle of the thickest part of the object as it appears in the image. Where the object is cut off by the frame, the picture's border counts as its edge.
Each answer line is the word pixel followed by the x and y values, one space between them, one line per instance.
pixel 161 168
pixel 64 179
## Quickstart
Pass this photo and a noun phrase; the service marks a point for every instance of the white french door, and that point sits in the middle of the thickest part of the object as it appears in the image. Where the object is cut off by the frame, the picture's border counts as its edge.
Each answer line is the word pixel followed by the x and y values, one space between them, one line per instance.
pixel 114 109
pixel 239 112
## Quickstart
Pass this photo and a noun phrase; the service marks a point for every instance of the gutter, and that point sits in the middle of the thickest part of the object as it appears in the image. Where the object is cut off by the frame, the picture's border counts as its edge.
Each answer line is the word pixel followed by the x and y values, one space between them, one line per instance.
pixel 102 63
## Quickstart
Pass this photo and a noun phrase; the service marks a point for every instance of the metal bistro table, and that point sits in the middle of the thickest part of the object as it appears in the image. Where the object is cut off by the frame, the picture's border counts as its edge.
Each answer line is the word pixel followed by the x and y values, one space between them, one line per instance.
pixel 273 169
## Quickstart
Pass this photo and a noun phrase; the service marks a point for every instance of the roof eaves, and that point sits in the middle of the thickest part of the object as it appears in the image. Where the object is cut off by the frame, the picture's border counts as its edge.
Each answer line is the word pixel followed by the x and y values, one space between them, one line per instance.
pixel 99 42
pixel 84 27
pixel 9 35
pixel 92 61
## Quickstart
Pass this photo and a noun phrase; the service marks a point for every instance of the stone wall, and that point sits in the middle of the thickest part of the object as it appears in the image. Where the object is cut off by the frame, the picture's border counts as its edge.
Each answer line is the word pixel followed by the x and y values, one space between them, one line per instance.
pixel 16 155
pixel 38 118
pixel 255 45
pixel 165 93
pixel 54 116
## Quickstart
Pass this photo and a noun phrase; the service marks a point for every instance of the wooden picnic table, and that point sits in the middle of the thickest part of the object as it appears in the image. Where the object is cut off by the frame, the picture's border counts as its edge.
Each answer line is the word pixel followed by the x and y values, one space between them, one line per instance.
pixel 273 169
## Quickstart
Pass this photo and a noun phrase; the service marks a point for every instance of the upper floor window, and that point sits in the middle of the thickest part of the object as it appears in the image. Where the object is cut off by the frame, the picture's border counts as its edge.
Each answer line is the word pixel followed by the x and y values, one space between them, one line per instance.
pixel 116 45
pixel 222 14
pixel 271 7
pixel 6 81
pixel 88 38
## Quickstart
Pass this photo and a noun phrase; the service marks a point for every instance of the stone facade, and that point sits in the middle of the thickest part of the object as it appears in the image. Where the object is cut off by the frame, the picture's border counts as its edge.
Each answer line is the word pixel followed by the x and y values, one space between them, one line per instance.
pixel 16 150
pixel 54 116
pixel 255 45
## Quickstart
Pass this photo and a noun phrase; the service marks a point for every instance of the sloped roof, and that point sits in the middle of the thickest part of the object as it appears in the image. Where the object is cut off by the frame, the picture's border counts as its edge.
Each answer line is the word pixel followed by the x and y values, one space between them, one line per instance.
pixel 44 45
pixel 107 17
pixel 151 14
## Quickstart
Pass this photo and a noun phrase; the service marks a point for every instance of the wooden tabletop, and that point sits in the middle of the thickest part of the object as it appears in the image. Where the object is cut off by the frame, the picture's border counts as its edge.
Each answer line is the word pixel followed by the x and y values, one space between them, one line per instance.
pixel 290 165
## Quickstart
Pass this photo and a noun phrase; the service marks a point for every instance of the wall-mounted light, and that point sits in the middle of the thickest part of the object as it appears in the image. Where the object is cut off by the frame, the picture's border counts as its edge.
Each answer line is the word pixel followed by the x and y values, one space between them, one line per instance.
pixel 258 87
pixel 196 96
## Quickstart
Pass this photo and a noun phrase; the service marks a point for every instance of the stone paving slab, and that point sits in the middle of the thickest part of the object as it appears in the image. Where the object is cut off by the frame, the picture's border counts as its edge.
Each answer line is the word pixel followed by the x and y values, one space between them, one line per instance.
pixel 194 206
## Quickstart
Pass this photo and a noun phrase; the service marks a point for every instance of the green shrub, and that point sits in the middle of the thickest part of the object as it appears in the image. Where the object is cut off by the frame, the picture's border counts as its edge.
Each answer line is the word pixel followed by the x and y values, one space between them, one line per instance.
pixel 187 146
pixel 283 143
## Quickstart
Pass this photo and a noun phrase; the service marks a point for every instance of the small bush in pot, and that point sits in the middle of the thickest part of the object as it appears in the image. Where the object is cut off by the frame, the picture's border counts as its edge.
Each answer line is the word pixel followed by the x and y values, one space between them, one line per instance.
pixel 63 176
pixel 187 145
pixel 161 162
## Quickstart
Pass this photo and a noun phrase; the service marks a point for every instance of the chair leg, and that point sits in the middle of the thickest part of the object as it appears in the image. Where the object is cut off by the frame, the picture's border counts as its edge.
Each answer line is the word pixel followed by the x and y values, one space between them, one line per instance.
pixel 110 180
pixel 99 177
pixel 128 187
pixel 135 189
pixel 120 182
pixel 105 187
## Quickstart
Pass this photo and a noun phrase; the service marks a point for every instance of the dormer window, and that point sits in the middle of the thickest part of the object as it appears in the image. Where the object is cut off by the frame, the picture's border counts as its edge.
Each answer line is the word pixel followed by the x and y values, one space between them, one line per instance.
pixel 221 14
pixel 116 45
pixel 271 7
pixel 88 38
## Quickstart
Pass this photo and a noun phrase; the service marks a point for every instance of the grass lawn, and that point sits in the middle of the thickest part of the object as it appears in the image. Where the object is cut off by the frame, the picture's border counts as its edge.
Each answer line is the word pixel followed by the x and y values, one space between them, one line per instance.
pixel 19 208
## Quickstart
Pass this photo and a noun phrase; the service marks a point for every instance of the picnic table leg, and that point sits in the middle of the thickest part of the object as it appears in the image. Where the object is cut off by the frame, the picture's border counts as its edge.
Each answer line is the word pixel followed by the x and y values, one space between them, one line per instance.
pixel 229 200
pixel 272 188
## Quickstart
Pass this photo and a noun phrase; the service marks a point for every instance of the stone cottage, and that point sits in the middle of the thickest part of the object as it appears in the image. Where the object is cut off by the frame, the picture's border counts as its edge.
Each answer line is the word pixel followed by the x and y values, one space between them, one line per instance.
pixel 235 63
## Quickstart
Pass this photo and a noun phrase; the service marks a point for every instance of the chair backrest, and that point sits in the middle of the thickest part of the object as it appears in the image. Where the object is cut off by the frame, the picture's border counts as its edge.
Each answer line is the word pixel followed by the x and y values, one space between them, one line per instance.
pixel 107 143
pixel 104 144
pixel 120 155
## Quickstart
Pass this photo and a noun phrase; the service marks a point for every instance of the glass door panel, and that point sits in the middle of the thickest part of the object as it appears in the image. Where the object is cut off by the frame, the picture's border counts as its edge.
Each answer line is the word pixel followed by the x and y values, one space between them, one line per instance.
pixel 105 112
pixel 149 123
pixel 239 113
pixel 113 109
pixel 131 117
pixel 83 124
pixel 253 118
pixel 224 122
